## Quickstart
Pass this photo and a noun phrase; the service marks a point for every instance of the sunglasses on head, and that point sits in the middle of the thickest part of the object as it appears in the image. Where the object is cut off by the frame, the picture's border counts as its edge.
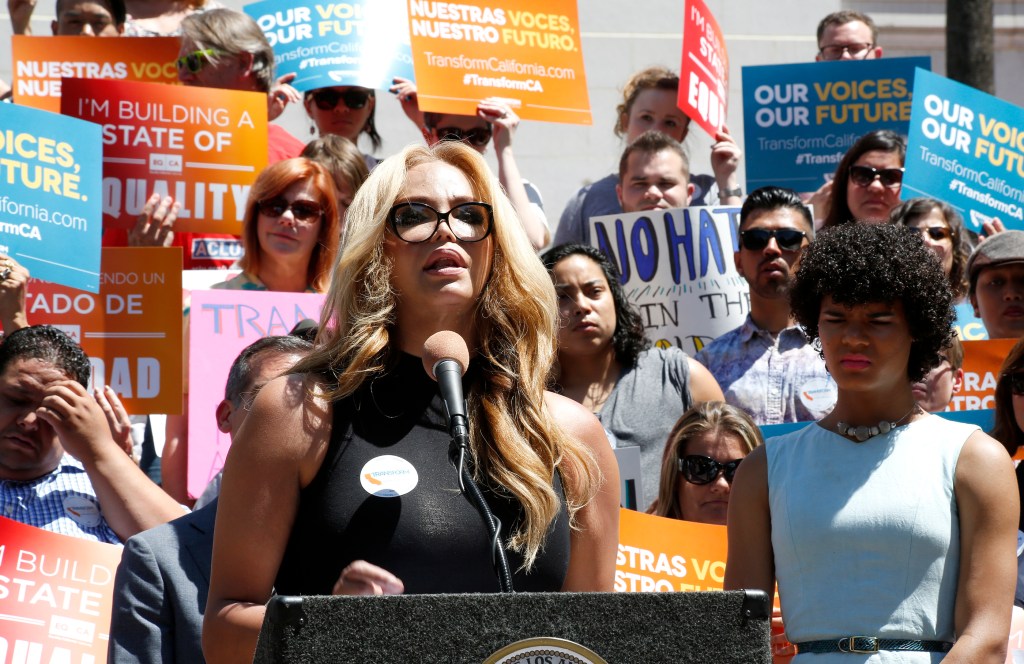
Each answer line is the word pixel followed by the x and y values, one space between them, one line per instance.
pixel 303 211
pixel 700 469
pixel 864 175
pixel 478 136
pixel 196 60
pixel 936 233
pixel 756 239
pixel 1016 382
pixel 327 98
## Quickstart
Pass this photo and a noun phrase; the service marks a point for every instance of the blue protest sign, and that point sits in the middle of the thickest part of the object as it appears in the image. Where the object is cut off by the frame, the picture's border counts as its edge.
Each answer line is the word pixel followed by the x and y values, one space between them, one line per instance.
pixel 327 43
pixel 966 148
pixel 800 119
pixel 50 215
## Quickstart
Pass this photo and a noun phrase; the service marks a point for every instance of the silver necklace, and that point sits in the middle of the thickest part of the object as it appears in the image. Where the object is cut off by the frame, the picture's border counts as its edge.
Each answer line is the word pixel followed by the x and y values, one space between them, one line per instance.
pixel 862 432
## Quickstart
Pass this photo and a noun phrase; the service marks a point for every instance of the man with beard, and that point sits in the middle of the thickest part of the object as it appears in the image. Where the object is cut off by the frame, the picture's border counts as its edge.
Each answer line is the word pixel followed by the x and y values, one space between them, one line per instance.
pixel 766 366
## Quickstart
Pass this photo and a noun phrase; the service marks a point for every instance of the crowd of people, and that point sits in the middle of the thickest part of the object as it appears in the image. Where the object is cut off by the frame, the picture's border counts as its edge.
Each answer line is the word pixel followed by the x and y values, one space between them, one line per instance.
pixel 887 529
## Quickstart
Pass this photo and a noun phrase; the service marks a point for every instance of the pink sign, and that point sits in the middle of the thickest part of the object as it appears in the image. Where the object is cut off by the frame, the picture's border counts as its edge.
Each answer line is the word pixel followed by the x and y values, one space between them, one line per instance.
pixel 56 595
pixel 223 322
pixel 704 72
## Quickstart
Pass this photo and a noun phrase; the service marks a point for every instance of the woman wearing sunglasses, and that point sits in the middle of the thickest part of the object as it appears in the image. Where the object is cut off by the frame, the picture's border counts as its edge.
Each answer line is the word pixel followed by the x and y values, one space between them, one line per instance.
pixel 942 229
pixel 866 185
pixel 606 362
pixel 290 237
pixel 703 452
pixel 888 529
pixel 649 102
pixel 345 110
pixel 291 230
pixel 344 464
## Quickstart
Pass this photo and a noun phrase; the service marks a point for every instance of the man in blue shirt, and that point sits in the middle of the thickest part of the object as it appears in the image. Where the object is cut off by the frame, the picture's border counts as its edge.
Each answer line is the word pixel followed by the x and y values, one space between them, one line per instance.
pixel 60 467
pixel 766 366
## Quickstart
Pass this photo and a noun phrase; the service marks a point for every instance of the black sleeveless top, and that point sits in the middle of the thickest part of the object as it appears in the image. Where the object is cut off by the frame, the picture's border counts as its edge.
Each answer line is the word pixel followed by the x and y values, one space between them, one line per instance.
pixel 386 493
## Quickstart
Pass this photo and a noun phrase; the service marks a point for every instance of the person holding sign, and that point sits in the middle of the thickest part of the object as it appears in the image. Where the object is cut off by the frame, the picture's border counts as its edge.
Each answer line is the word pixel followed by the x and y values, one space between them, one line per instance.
pixel 704 449
pixel 347 111
pixel 767 366
pixel 494 119
pixel 61 468
pixel 605 361
pixel 867 183
pixel 888 529
pixel 344 463
pixel 649 102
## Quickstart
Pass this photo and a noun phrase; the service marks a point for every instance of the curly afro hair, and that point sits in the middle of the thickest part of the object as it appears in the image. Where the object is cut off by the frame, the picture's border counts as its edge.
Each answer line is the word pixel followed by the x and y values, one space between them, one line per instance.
pixel 862 263
pixel 629 339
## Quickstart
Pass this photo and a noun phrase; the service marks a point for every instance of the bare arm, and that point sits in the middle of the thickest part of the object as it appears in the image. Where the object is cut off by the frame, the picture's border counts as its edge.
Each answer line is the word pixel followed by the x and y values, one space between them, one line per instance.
pixel 985 488
pixel 751 559
pixel 595 541
pixel 725 159
pixel 129 500
pixel 21 15
pixel 703 386
pixel 13 314
pixel 504 122
pixel 259 499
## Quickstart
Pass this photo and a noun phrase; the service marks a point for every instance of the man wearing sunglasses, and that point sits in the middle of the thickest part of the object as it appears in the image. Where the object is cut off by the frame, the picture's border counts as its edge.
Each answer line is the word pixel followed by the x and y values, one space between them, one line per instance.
pixel 496 122
pixel 766 366
pixel 847 35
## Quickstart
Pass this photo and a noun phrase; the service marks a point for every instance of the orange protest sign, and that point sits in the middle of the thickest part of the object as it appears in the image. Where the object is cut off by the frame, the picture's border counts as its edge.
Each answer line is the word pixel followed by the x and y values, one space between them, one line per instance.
pixel 40 62
pixel 56 595
pixel 203 146
pixel 982 360
pixel 704 73
pixel 525 51
pixel 666 555
pixel 131 329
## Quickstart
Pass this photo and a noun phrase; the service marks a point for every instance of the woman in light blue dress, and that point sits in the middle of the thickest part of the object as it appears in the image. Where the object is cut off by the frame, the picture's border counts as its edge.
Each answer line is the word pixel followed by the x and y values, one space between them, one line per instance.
pixel 891 532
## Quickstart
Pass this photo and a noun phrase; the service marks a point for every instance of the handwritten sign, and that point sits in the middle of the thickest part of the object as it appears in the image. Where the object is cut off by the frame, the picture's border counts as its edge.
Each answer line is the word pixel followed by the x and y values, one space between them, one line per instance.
pixel 524 51
pixel 41 62
pixel 204 146
pixel 668 555
pixel 223 322
pixel 50 195
pixel 131 329
pixel 56 595
pixel 327 43
pixel 704 72
pixel 677 268
pixel 966 148
pixel 800 119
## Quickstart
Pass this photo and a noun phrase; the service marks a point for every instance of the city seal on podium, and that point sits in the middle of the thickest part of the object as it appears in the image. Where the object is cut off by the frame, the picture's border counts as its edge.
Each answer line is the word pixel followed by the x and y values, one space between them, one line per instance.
pixel 544 650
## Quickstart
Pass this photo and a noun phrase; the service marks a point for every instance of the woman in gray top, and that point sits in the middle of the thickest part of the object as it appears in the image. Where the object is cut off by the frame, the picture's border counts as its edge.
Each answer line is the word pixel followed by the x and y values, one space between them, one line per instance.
pixel 605 361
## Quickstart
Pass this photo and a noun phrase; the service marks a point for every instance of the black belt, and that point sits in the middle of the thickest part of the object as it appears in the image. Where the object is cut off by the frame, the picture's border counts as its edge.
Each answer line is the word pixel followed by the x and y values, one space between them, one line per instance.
pixel 870 644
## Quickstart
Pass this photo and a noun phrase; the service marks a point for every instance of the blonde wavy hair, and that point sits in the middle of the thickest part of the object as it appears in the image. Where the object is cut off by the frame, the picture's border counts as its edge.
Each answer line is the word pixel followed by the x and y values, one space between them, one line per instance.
pixel 515 442
pixel 714 417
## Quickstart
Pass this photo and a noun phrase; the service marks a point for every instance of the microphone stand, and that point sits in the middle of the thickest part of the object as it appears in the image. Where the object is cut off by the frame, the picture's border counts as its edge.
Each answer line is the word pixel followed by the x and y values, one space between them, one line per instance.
pixel 458 449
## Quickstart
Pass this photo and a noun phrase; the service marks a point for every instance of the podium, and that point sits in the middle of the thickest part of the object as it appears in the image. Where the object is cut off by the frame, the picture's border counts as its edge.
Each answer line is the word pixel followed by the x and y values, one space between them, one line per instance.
pixel 627 628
